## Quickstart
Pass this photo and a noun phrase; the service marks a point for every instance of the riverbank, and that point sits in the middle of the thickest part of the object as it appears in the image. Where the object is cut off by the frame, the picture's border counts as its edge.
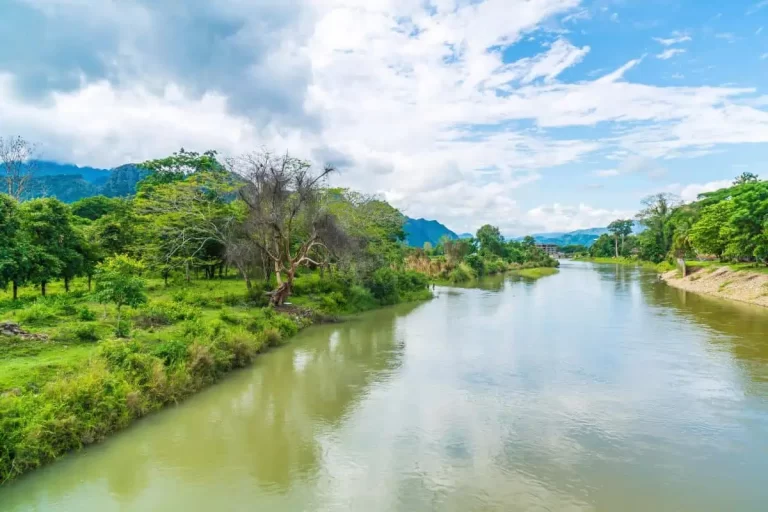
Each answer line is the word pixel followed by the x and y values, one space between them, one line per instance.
pixel 723 282
pixel 67 380
pixel 632 262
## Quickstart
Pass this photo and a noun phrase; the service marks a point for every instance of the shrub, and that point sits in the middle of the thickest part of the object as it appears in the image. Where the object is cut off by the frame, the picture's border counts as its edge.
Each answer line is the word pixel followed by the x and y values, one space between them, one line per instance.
pixel 85 314
pixel 383 286
pixel 359 299
pixel 123 329
pixel 229 317
pixel 285 325
pixel 171 352
pixel 166 313
pixel 271 337
pixel 36 313
pixel 79 332
pixel 461 274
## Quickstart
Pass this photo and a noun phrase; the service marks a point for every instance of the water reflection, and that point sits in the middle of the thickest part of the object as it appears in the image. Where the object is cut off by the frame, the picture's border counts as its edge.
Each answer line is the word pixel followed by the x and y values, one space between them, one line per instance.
pixel 598 389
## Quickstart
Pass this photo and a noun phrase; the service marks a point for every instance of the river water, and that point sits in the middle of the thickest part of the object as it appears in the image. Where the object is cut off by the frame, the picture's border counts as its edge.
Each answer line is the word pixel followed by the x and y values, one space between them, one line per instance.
pixel 598 389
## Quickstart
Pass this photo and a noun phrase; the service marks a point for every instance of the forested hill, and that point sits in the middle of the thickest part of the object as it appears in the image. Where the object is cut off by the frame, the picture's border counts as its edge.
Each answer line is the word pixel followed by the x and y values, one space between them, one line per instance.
pixel 419 231
pixel 585 237
pixel 70 183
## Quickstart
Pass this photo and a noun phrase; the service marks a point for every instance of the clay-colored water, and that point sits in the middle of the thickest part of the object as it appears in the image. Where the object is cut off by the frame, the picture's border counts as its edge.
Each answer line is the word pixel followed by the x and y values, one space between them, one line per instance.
pixel 595 389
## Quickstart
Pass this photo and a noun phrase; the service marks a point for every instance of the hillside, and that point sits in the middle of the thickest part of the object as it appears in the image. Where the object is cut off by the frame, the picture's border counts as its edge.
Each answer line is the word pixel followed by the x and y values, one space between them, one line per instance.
pixel 70 183
pixel 584 237
pixel 419 231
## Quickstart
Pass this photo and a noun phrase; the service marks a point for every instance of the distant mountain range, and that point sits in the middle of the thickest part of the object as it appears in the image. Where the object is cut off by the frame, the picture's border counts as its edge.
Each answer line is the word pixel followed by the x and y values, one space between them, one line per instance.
pixel 70 183
pixel 584 237
pixel 419 231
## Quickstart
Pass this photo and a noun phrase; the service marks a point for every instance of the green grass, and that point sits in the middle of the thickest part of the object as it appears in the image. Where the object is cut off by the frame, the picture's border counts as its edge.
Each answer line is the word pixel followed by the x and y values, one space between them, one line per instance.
pixel 82 382
pixel 536 273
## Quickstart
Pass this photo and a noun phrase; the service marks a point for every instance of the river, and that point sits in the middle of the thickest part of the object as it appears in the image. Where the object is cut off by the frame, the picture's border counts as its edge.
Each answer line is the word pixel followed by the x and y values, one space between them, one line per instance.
pixel 597 389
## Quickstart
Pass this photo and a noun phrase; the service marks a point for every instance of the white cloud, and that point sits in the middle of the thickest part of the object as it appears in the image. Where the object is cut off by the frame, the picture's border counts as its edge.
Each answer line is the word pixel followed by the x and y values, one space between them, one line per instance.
pixel 690 193
pixel 764 56
pixel 675 38
pixel 558 217
pixel 603 173
pixel 669 53
pixel 419 106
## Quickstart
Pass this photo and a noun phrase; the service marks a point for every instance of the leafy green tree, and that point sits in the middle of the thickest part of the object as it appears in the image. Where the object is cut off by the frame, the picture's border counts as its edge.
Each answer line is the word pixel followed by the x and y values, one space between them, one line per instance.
pixel 746 177
pixel 456 250
pixel 656 241
pixel 9 230
pixel 620 229
pixel 603 247
pixel 709 235
pixel 96 207
pixel 177 167
pixel 490 240
pixel 48 229
pixel 118 283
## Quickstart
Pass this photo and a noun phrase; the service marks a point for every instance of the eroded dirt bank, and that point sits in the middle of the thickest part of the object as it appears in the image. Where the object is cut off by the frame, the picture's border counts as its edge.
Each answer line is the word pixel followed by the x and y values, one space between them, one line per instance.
pixel 723 282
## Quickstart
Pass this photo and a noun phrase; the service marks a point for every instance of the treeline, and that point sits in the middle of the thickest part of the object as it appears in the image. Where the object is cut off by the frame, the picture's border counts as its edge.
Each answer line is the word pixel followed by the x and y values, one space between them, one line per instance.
pixel 261 215
pixel 730 225
pixel 487 253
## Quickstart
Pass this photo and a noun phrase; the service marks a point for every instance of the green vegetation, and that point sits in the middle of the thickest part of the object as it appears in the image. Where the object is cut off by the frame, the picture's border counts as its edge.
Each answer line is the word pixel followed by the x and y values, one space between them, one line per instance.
pixel 460 261
pixel 725 227
pixel 535 273
pixel 121 306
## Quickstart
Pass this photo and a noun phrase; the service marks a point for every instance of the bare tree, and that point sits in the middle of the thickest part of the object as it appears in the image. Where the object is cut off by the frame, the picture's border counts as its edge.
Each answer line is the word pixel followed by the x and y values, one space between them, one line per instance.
pixel 17 165
pixel 287 219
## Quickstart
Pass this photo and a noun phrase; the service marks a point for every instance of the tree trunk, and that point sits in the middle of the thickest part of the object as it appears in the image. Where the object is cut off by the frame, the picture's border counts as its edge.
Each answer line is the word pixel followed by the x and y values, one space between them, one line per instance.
pixel 15 290
pixel 616 241
pixel 66 284
pixel 186 270
pixel 165 277
pixel 42 288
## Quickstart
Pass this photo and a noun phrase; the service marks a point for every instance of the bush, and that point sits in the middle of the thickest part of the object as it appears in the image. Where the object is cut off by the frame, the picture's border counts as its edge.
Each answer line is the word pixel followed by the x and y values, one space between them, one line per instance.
pixel 85 314
pixel 36 314
pixel 165 313
pixel 461 274
pixel 359 299
pixel 383 286
pixel 171 352
pixel 123 329
pixel 476 263
pixel 80 332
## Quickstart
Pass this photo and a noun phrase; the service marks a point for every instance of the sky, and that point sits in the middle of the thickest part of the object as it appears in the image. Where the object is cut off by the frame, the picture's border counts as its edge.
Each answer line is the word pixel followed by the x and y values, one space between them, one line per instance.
pixel 532 115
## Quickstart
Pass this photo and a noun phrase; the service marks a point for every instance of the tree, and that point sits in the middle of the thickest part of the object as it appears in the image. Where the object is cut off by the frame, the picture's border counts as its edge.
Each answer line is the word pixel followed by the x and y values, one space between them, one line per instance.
pixel 456 250
pixel 17 165
pixel 191 221
pixel 177 167
pixel 709 234
pixel 96 207
pixel 118 283
pixel 603 247
pixel 49 235
pixel 491 241
pixel 620 228
pixel 746 177
pixel 286 218
pixel 656 240
pixel 9 229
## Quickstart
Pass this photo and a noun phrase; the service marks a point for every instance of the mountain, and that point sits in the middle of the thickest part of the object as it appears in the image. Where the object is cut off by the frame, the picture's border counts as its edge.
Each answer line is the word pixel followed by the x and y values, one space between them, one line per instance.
pixel 70 183
pixel 419 231
pixel 584 237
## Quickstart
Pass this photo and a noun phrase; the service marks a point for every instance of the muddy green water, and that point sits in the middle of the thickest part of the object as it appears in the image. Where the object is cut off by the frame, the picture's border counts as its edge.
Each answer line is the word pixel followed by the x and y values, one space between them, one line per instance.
pixel 595 389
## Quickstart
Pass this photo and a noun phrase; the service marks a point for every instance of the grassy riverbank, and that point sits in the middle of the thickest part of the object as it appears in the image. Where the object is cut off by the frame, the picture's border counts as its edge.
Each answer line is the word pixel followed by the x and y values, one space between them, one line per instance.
pixel 76 382
pixel 536 273
pixel 632 262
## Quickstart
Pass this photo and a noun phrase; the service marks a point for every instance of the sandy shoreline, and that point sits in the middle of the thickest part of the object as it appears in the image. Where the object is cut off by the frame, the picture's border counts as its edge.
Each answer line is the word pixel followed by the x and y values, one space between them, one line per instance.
pixel 723 282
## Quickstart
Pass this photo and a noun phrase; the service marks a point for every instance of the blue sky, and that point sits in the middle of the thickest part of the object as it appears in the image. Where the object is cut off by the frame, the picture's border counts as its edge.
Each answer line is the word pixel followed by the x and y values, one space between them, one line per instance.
pixel 540 115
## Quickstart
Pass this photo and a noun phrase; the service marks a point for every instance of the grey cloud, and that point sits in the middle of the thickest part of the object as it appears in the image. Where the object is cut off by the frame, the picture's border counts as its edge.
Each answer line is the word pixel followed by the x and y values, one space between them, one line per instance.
pixel 249 51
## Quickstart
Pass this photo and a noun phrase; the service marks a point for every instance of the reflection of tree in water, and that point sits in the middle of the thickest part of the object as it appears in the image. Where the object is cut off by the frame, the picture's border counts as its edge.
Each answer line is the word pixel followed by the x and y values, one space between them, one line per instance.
pixel 261 426
pixel 743 328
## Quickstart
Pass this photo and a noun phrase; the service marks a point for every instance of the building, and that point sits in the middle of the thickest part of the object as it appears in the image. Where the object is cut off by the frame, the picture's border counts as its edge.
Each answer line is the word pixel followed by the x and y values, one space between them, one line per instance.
pixel 551 249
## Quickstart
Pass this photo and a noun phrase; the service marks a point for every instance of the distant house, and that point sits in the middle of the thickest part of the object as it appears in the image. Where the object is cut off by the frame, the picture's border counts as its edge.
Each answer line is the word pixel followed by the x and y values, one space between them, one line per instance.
pixel 551 249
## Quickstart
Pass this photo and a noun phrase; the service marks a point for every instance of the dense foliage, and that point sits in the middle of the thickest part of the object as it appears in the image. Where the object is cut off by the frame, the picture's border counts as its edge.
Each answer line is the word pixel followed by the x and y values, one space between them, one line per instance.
pixel 184 274
pixel 487 253
pixel 730 225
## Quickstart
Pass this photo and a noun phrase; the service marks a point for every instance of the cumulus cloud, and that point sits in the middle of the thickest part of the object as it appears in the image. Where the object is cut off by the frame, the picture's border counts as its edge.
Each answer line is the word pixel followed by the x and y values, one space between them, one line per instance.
pixel 690 192
pixel 558 217
pixel 420 104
